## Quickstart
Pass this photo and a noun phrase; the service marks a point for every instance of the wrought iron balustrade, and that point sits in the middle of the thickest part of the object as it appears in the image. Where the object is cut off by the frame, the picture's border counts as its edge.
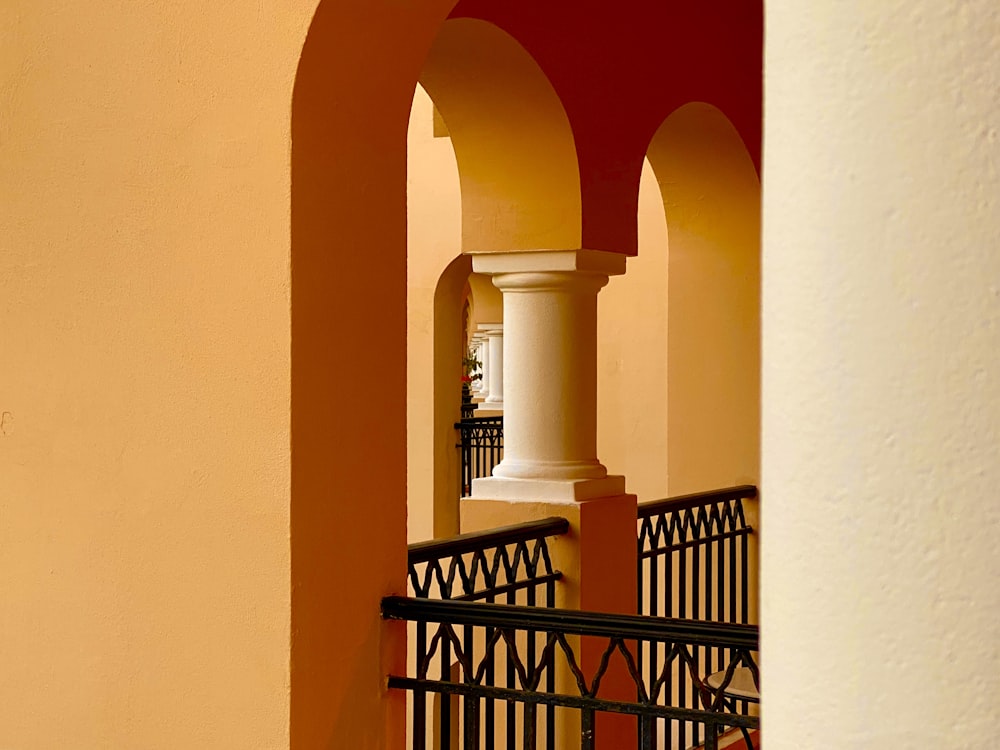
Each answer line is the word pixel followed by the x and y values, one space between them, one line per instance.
pixel 488 565
pixel 480 446
pixel 693 562
pixel 510 564
pixel 460 645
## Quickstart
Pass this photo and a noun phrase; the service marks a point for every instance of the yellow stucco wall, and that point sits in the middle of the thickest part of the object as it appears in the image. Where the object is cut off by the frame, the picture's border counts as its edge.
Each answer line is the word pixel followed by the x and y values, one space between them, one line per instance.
pixel 711 195
pixel 632 357
pixel 144 554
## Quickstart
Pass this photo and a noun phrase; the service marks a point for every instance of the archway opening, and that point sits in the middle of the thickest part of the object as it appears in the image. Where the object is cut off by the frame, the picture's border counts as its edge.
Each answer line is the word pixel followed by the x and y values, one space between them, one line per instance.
pixel 492 166
pixel 711 198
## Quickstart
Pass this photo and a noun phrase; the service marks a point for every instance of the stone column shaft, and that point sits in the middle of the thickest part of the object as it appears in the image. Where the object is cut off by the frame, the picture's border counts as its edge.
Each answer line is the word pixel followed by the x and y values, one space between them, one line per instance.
pixel 549 374
pixel 494 343
pixel 476 350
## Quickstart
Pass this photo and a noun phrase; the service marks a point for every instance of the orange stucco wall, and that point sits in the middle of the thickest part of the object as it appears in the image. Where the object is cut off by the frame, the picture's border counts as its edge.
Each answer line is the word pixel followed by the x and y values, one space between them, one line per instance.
pixel 145 460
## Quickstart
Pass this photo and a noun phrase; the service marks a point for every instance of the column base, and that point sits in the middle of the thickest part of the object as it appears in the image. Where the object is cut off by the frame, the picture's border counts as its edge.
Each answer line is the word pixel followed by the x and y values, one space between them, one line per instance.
pixel 597 556
pixel 546 490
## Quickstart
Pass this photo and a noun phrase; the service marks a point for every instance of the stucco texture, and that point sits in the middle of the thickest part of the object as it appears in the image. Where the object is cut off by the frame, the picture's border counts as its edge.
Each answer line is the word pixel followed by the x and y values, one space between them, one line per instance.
pixel 881 345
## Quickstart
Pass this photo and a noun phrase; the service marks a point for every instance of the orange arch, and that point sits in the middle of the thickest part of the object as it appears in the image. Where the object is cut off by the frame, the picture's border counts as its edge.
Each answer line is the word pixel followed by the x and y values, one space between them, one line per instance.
pixel 513 142
pixel 350 107
pixel 711 197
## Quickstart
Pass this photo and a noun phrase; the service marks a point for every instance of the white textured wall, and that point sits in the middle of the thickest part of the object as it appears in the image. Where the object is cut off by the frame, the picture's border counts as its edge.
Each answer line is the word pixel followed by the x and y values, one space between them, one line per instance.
pixel 881 376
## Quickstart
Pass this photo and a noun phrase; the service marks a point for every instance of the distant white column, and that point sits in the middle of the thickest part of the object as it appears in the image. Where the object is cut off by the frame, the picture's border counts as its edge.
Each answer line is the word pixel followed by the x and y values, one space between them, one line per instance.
pixel 549 374
pixel 484 368
pixel 476 350
pixel 494 333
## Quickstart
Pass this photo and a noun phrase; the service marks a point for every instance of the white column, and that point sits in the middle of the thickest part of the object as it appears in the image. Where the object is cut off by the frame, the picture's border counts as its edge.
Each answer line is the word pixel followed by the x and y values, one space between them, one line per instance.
pixel 550 464
pixel 484 368
pixel 476 350
pixel 494 334
pixel 880 603
pixel 550 375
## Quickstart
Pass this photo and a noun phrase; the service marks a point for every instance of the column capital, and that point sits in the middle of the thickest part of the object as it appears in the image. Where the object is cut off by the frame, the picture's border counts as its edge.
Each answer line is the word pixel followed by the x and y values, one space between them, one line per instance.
pixel 599 262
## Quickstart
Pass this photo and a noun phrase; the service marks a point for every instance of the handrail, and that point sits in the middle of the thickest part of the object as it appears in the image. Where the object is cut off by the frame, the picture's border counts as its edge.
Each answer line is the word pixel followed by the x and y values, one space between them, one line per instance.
pixel 479 421
pixel 476 540
pixel 571 621
pixel 696 499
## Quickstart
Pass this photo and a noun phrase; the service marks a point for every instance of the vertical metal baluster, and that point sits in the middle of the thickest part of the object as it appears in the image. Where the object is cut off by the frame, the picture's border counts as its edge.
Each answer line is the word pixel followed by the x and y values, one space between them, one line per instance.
pixel 745 585
pixel 472 456
pixel 471 723
pixel 735 614
pixel 642 580
pixel 709 549
pixel 587 739
pixel 419 696
pixel 696 581
pixel 463 459
pixel 695 614
pixel 530 714
pixel 484 453
pixel 497 446
pixel 682 593
pixel 682 678
pixel 445 713
pixel 550 677
pixel 711 736
pixel 530 730
pixel 668 611
pixel 646 733
pixel 511 683
pixel 720 556
pixel 478 455
pixel 707 666
pixel 646 722
pixel 470 703
pixel 653 602
pixel 490 677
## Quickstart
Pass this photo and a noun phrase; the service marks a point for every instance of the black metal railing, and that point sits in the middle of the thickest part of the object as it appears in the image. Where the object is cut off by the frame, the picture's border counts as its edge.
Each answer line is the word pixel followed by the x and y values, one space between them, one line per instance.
pixel 459 645
pixel 480 446
pixel 488 565
pixel 510 565
pixel 693 560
